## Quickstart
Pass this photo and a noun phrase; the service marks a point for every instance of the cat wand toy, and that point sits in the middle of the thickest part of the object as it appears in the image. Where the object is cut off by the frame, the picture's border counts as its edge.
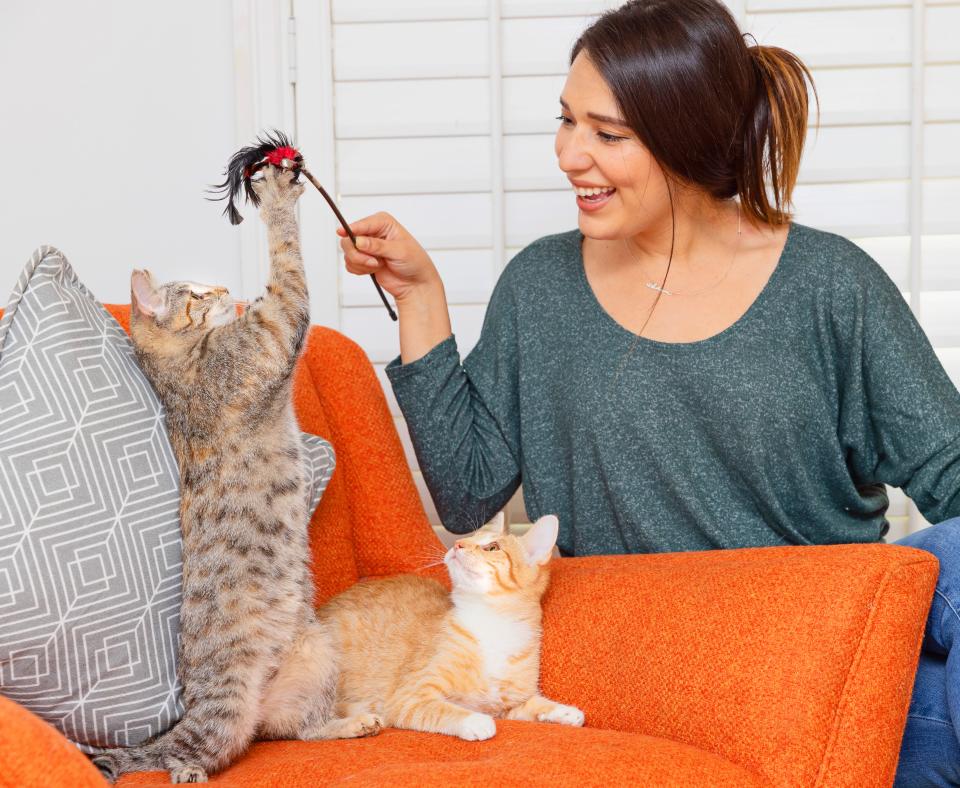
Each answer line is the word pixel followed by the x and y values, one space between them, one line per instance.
pixel 277 150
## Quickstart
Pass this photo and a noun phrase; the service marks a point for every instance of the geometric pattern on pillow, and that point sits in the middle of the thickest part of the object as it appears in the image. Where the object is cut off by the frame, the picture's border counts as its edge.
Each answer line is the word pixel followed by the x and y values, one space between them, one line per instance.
pixel 319 462
pixel 90 568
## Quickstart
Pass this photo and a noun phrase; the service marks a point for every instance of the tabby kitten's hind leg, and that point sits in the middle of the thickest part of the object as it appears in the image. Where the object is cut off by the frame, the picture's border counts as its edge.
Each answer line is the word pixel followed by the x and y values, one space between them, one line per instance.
pixel 300 698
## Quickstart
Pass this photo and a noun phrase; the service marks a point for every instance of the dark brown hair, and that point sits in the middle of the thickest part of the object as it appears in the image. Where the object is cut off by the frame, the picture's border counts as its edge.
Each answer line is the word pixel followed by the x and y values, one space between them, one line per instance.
pixel 714 112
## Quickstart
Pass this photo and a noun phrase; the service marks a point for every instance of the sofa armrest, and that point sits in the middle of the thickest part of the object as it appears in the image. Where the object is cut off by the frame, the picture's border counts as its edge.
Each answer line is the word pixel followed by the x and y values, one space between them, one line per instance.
pixel 34 755
pixel 794 662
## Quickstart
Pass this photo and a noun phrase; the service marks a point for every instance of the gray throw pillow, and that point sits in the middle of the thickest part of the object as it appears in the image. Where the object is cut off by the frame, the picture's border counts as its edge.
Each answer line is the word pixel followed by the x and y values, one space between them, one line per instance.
pixel 90 569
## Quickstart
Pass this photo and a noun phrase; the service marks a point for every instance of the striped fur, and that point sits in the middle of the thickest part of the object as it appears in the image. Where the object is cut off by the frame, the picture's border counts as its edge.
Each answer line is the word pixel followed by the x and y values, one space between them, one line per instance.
pixel 414 656
pixel 255 662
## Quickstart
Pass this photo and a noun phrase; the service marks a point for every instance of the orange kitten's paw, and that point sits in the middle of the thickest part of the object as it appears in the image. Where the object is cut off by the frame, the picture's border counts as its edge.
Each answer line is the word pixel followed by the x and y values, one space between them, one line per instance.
pixel 563 715
pixel 364 725
pixel 477 727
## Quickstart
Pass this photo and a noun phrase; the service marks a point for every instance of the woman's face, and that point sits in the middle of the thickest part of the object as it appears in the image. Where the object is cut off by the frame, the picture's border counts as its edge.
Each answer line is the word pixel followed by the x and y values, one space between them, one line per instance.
pixel 598 152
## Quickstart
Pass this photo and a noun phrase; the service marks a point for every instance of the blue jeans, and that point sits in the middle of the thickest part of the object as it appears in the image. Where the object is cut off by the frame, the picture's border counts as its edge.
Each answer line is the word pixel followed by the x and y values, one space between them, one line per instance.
pixel 930 753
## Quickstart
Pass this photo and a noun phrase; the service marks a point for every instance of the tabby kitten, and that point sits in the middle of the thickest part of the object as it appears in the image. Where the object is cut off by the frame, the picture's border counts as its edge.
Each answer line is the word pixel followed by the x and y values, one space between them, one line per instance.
pixel 418 657
pixel 254 660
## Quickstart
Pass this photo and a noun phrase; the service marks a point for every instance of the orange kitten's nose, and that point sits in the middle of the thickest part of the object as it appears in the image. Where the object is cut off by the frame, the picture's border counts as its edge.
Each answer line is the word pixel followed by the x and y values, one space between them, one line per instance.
pixel 458 545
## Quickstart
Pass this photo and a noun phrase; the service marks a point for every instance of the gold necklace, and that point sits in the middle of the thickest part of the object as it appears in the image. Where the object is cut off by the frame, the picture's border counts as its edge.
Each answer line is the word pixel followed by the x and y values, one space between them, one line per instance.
pixel 661 287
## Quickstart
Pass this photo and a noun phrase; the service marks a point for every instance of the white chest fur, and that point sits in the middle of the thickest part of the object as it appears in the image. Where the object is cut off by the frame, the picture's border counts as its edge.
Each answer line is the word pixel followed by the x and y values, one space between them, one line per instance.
pixel 499 637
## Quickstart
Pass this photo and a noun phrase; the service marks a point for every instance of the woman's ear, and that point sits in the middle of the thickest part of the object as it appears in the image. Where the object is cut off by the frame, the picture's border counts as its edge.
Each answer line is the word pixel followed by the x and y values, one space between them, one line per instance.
pixel 144 298
pixel 539 541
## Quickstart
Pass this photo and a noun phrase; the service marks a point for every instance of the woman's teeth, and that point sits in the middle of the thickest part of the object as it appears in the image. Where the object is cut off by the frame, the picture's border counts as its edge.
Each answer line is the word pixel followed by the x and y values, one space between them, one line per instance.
pixel 593 192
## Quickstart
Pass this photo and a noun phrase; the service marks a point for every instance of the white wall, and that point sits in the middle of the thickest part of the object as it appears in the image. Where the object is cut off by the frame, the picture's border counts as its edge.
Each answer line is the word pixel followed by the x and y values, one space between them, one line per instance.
pixel 115 117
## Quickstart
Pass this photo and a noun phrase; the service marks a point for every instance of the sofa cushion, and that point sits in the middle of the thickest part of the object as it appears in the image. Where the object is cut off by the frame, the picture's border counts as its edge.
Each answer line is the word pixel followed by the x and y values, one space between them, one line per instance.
pixel 90 568
pixel 522 753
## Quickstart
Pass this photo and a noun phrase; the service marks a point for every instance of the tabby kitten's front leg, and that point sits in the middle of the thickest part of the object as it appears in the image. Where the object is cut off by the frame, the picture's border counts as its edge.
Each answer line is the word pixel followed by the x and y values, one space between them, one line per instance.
pixel 284 312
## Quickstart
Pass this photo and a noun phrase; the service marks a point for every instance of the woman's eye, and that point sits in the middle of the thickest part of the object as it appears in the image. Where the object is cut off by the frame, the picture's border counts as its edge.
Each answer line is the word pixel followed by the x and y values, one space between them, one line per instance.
pixel 609 137
pixel 564 120
pixel 492 546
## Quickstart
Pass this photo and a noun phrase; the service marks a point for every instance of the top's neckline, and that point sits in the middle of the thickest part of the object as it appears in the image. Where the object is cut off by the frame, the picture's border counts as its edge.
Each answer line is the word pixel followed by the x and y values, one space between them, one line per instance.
pixel 766 293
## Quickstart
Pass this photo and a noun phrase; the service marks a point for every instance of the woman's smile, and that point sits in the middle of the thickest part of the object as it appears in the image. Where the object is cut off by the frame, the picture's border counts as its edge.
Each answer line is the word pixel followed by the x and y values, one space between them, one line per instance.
pixel 593 198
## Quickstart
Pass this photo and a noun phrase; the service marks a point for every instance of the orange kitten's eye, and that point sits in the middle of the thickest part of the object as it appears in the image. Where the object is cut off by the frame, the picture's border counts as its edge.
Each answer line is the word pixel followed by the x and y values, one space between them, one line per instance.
pixel 491 546
pixel 196 297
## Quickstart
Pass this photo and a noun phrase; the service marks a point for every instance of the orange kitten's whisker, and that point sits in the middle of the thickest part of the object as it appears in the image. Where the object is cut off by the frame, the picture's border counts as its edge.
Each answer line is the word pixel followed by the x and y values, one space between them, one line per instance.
pixel 428 566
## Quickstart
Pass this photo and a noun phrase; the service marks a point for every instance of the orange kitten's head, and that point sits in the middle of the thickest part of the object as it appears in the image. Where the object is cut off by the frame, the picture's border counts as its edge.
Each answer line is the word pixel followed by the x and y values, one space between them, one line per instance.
pixel 179 308
pixel 494 562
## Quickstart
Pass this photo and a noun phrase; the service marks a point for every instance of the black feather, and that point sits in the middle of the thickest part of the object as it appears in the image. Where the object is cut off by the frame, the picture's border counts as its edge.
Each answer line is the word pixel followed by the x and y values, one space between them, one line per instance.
pixel 238 171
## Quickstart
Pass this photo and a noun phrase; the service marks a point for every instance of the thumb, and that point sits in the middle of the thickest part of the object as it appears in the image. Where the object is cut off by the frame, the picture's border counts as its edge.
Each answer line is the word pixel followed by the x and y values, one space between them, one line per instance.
pixel 380 248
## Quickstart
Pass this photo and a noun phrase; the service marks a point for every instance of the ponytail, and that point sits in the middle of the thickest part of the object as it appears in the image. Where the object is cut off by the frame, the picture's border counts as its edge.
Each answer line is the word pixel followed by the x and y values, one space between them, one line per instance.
pixel 774 134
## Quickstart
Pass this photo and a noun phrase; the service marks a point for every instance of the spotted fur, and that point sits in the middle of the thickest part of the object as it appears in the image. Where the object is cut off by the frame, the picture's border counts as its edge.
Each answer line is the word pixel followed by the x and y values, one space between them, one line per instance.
pixel 415 656
pixel 255 662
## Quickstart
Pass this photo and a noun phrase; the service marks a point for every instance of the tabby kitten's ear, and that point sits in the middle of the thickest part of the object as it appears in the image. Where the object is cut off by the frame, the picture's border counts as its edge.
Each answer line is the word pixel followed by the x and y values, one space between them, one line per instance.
pixel 539 541
pixel 144 297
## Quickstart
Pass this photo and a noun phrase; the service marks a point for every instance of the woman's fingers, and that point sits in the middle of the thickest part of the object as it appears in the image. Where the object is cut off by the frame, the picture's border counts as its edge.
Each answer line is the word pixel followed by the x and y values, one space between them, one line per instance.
pixel 380 225
pixel 375 247
pixel 366 266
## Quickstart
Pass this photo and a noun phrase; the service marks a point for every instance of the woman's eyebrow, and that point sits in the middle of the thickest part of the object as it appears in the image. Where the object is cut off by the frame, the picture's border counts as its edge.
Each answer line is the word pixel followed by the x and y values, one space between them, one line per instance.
pixel 600 118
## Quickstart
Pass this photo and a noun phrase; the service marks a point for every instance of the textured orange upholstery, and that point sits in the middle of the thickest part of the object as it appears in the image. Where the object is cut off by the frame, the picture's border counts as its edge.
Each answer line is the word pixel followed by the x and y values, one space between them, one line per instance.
pixel 35 755
pixel 773 666
pixel 520 754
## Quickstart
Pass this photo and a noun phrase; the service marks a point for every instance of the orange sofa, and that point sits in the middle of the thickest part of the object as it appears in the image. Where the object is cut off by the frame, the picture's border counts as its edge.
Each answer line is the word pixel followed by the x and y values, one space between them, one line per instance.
pixel 762 667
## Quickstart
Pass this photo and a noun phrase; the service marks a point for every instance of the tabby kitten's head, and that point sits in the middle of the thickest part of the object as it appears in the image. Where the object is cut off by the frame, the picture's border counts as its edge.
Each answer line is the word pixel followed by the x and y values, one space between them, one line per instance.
pixel 493 562
pixel 180 308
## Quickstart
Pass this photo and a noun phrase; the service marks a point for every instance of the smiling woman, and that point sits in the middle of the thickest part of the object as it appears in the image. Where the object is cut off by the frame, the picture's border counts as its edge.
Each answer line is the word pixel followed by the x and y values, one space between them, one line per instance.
pixel 689 369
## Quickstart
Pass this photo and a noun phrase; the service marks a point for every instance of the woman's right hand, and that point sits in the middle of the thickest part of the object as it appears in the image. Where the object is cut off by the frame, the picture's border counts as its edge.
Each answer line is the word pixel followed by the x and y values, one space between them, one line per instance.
pixel 387 250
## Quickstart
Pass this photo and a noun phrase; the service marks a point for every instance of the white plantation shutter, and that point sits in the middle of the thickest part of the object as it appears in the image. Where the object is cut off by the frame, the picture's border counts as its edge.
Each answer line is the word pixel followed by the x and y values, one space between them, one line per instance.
pixel 443 114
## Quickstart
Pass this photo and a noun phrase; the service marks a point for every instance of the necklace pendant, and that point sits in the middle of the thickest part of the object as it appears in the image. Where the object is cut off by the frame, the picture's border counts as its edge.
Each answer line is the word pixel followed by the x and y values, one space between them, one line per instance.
pixel 655 286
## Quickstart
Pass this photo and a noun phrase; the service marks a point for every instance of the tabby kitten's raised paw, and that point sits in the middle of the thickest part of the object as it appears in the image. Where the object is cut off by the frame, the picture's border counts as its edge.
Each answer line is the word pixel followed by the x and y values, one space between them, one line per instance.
pixel 276 190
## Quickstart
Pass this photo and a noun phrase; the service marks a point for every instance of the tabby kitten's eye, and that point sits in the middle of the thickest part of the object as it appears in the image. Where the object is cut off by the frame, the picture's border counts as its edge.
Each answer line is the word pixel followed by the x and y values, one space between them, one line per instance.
pixel 196 296
pixel 492 546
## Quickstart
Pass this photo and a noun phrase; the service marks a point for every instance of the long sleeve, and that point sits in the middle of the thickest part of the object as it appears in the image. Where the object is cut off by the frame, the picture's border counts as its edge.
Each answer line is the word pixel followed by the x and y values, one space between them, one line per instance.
pixel 900 412
pixel 464 421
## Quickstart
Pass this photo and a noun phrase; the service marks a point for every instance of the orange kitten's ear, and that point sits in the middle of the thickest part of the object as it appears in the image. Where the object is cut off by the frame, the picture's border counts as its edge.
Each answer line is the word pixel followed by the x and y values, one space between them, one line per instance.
pixel 498 524
pixel 539 541
pixel 144 297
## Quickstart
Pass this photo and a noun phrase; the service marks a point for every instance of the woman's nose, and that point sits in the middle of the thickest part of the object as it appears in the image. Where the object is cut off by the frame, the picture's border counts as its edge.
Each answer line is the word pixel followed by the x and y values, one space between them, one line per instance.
pixel 571 154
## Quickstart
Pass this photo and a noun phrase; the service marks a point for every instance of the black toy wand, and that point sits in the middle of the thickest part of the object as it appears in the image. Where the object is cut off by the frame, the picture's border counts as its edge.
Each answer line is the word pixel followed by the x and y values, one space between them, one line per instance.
pixel 277 150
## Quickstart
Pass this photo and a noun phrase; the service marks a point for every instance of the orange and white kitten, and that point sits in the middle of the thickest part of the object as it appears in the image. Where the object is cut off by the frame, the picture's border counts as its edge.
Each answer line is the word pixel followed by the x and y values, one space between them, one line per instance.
pixel 413 655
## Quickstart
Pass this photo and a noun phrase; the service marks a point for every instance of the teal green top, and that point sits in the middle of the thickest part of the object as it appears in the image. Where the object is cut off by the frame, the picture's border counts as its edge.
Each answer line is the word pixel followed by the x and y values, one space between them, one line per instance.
pixel 781 429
